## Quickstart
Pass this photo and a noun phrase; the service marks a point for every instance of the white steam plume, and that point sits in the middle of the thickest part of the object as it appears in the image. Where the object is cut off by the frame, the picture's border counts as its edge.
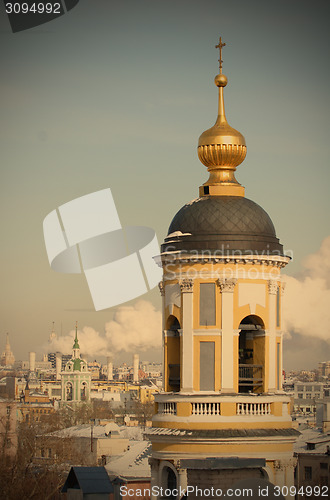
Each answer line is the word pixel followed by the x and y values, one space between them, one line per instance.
pixel 90 342
pixel 307 299
pixel 134 328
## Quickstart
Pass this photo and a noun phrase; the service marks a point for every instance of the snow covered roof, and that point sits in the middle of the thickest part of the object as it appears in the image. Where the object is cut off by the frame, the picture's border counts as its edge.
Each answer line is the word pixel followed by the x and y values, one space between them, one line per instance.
pixel 133 463
pixel 109 430
pixel 312 441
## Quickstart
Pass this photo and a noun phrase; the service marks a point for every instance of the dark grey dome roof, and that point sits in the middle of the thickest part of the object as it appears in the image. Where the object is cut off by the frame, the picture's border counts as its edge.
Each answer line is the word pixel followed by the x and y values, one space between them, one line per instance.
pixel 227 222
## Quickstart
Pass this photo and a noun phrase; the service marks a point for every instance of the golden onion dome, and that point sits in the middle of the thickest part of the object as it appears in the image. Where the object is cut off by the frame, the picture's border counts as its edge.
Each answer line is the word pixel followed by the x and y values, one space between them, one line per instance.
pixel 221 148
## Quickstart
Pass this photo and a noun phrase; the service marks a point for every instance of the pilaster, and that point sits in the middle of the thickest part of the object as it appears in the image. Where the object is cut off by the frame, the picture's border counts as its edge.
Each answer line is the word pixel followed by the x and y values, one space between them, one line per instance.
pixel 227 349
pixel 161 287
pixel 272 291
pixel 186 286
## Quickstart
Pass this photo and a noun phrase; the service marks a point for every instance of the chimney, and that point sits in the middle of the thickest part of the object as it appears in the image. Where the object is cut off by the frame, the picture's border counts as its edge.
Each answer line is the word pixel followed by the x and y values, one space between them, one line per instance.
pixel 58 360
pixel 32 361
pixel 135 367
pixel 109 368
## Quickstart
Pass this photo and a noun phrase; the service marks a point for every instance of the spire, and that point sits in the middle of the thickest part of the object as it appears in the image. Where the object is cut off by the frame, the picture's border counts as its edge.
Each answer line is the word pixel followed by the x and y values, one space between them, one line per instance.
pixel 52 335
pixel 76 344
pixel 7 357
pixel 221 148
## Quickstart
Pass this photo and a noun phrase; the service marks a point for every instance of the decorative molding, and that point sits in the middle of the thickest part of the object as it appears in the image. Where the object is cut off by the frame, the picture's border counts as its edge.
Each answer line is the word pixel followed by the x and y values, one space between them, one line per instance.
pixel 226 284
pixel 288 463
pixel 278 261
pixel 161 288
pixel 186 285
pixel 272 287
pixel 179 468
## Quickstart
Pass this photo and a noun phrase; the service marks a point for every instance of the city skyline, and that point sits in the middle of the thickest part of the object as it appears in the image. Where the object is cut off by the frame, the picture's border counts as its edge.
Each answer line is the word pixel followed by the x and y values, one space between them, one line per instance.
pixel 117 96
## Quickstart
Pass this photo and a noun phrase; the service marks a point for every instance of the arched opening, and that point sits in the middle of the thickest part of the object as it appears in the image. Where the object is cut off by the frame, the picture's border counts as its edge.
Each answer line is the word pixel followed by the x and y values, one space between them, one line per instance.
pixel 83 391
pixel 172 323
pixel 251 353
pixel 169 480
pixel 172 352
pixel 69 391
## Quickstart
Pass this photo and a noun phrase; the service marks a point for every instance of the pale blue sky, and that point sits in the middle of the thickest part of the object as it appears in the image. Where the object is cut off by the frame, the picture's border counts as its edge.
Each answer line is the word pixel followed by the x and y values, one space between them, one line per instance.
pixel 116 93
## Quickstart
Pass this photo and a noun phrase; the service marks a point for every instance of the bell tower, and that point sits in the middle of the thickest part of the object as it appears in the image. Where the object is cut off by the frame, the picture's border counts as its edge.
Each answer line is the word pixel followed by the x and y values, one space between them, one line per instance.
pixel 75 378
pixel 222 294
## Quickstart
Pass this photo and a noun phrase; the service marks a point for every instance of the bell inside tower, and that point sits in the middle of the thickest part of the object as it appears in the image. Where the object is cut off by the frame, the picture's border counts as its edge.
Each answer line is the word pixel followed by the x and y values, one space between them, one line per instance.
pixel 251 353
pixel 173 354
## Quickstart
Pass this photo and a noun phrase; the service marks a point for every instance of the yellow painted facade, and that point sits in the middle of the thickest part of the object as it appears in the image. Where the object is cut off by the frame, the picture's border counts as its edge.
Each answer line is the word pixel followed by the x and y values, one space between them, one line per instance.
pixel 259 345
pixel 222 299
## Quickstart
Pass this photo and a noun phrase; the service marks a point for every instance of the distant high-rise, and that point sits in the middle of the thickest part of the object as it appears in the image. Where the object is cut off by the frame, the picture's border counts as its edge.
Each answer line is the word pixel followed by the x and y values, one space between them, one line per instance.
pixel 223 416
pixel 52 335
pixel 7 357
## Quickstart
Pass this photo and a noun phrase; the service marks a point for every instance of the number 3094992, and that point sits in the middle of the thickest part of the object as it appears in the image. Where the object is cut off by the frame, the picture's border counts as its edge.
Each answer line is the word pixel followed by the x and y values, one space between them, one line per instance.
pixel 35 8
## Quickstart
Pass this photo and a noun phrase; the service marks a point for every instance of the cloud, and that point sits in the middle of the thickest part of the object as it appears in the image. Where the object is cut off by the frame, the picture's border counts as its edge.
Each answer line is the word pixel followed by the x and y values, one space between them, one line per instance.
pixel 90 341
pixel 299 352
pixel 306 304
pixel 134 328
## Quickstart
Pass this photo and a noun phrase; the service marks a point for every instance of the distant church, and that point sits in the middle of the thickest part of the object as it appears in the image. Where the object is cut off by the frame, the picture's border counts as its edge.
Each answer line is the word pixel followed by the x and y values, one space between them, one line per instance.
pixel 75 378
pixel 223 416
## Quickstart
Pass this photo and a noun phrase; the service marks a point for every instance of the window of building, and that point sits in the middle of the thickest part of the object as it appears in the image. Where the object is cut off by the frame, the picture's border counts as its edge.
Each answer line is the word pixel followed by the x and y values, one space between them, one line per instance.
pixel 324 465
pixel 307 473
pixel 300 387
pixel 207 360
pixel 308 395
pixel 69 391
pixel 83 391
pixel 324 480
pixel 300 395
pixel 207 304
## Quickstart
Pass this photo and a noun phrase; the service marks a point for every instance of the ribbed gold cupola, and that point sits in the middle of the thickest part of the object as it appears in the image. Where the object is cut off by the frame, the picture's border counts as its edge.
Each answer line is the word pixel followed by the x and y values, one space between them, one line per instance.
pixel 221 148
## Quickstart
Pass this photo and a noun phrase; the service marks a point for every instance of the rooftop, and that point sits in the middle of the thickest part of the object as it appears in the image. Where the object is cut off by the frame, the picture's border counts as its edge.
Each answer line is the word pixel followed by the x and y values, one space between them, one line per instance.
pixel 133 463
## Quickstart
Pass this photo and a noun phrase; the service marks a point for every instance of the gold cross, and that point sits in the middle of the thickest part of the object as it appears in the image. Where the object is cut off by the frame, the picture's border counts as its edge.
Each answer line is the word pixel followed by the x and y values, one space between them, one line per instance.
pixel 219 46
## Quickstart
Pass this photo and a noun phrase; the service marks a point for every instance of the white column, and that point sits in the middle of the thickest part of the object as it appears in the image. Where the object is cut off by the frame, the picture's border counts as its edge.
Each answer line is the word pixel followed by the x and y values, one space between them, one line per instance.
pixel 182 481
pixel 272 351
pixel 32 361
pixel 109 368
pixel 283 285
pixel 58 361
pixel 135 367
pixel 154 480
pixel 161 287
pixel 187 336
pixel 227 334
pixel 284 473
